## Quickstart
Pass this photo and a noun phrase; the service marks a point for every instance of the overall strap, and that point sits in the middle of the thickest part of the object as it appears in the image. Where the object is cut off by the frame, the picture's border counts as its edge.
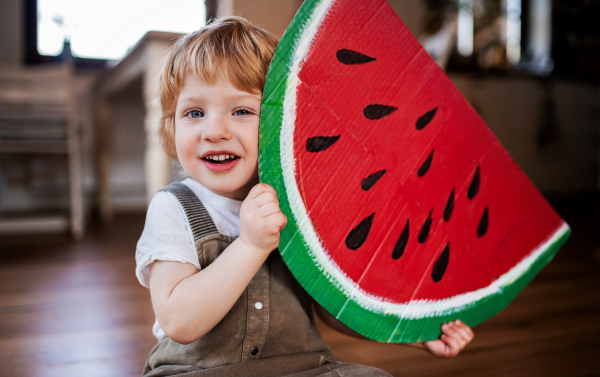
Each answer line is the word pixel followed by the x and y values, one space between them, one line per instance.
pixel 200 221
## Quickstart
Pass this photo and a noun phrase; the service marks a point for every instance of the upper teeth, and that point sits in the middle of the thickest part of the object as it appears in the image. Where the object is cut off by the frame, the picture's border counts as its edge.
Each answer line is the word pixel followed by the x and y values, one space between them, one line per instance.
pixel 220 157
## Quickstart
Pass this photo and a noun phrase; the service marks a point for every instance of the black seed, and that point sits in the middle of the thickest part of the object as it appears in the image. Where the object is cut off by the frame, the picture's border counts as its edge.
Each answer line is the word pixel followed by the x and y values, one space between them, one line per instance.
pixel 370 181
pixel 425 167
pixel 374 112
pixel 423 121
pixel 320 143
pixel 474 186
pixel 350 57
pixel 483 224
pixel 440 265
pixel 402 242
pixel 449 206
pixel 359 234
pixel 424 233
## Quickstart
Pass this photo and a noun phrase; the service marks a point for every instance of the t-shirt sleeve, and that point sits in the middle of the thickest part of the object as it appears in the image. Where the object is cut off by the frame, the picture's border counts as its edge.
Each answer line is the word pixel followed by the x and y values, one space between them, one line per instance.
pixel 166 237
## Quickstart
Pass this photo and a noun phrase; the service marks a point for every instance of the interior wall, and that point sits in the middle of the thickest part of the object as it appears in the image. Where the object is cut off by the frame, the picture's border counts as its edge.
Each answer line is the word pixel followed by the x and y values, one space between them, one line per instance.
pixel 11 32
pixel 411 12
pixel 261 12
pixel 549 127
pixel 128 182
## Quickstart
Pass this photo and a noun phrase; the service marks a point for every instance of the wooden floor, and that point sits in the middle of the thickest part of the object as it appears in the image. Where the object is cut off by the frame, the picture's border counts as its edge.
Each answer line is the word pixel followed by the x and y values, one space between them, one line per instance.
pixel 76 309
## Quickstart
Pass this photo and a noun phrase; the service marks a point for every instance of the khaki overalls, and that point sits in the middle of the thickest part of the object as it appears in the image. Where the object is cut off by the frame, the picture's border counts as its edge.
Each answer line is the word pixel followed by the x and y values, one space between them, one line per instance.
pixel 270 330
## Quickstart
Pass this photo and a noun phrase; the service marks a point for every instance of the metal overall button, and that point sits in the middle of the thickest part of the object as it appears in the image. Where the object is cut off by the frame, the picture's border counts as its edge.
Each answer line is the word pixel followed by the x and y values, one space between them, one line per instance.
pixel 254 351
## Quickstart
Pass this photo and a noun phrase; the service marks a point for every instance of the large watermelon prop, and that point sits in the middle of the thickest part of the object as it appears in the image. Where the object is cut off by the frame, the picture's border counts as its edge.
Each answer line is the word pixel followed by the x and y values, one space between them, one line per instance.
pixel 404 211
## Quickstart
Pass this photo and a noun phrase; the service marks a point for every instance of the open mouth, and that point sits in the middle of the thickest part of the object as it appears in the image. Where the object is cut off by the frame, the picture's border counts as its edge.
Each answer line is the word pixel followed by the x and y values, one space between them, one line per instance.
pixel 220 158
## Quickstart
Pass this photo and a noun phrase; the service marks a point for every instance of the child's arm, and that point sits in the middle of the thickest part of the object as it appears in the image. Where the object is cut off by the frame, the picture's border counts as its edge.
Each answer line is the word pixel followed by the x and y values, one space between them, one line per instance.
pixel 456 335
pixel 189 303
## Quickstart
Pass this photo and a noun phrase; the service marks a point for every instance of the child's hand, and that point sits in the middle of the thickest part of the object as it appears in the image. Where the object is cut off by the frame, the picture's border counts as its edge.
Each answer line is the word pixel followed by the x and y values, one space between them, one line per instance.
pixel 261 219
pixel 456 335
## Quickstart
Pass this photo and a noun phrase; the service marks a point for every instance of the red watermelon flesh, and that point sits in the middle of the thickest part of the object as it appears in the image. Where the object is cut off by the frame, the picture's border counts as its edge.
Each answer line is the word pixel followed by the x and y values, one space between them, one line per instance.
pixel 403 76
pixel 411 196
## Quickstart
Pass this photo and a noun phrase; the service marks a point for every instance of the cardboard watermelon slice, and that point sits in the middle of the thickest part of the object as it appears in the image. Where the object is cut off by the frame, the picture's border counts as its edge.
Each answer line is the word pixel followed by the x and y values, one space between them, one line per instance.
pixel 404 211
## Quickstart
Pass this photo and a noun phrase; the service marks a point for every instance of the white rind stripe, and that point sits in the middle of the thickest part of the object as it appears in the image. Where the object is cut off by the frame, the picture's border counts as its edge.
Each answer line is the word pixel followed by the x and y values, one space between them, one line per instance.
pixel 413 309
pixel 430 308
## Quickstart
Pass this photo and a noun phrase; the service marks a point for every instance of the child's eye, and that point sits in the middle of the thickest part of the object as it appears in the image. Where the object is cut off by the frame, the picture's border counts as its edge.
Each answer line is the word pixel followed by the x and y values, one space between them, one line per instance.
pixel 242 112
pixel 196 114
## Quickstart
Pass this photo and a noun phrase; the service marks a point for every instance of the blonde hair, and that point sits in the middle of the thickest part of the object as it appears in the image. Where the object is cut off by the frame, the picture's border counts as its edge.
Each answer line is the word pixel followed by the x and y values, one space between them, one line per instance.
pixel 229 47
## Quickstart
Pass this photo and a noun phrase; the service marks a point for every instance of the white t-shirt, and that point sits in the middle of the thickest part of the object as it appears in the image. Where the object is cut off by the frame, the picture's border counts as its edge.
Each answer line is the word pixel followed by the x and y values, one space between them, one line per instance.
pixel 167 235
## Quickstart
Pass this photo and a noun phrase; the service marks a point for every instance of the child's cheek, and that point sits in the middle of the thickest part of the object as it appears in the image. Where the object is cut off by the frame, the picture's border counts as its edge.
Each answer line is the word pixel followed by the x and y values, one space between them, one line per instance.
pixel 185 146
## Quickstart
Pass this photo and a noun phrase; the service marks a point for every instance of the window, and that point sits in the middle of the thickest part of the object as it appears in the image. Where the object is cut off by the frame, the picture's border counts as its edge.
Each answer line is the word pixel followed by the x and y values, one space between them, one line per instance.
pixel 104 30
pixel 494 35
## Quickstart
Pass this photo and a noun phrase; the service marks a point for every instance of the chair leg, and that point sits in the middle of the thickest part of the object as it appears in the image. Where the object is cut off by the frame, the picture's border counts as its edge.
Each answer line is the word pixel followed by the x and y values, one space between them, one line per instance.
pixel 104 116
pixel 75 185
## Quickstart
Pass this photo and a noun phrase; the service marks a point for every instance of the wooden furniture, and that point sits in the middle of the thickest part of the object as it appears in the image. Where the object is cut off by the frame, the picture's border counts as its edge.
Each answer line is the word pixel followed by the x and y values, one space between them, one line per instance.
pixel 38 115
pixel 142 63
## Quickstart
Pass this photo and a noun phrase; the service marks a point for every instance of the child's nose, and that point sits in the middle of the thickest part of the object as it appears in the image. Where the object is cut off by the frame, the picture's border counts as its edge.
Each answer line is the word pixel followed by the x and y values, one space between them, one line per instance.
pixel 217 129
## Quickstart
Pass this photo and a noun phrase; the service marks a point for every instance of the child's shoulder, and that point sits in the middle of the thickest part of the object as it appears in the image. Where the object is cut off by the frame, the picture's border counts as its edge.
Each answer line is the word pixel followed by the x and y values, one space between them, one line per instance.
pixel 165 214
pixel 166 236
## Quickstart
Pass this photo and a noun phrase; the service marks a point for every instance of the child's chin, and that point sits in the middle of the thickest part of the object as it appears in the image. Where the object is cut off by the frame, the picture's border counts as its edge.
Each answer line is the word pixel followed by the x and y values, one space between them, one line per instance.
pixel 233 192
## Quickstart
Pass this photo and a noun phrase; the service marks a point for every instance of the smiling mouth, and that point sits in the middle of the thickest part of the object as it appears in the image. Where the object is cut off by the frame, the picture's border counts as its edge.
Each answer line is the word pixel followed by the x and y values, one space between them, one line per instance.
pixel 220 158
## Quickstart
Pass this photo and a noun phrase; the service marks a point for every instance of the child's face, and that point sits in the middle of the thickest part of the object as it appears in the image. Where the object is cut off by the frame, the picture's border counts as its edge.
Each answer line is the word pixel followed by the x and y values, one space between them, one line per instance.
pixel 216 136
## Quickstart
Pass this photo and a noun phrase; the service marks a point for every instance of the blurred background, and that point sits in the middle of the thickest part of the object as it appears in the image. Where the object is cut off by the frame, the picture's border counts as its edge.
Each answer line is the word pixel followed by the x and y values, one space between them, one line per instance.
pixel 529 67
pixel 80 160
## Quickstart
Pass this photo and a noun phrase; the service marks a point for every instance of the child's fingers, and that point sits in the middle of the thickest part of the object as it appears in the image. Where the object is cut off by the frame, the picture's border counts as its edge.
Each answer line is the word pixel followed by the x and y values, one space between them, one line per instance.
pixel 264 198
pixel 269 188
pixel 465 331
pixel 259 189
pixel 453 345
pixel 277 221
pixel 456 335
pixel 452 331
pixel 255 191
pixel 436 347
pixel 459 331
pixel 267 210
pixel 284 222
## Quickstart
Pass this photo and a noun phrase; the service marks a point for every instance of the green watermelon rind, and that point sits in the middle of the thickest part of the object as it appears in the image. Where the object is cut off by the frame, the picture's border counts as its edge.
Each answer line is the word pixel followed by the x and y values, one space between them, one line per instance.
pixel 302 250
